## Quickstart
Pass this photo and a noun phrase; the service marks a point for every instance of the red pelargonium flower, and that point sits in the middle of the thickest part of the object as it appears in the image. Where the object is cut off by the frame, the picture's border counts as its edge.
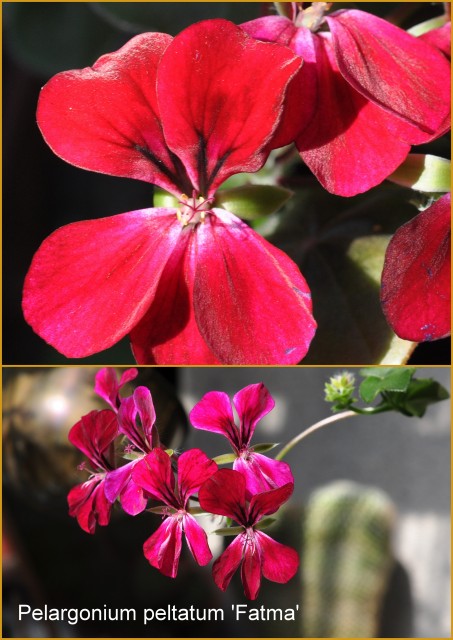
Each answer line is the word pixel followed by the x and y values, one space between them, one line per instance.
pixel 107 385
pixel 214 413
pixel 415 291
pixel 93 435
pixel 143 438
pixel 192 285
pixel 155 475
pixel 225 494
pixel 374 89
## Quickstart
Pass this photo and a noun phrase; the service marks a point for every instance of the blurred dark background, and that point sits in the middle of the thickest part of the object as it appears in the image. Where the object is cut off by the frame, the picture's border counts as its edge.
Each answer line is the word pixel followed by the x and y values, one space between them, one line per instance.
pixel 41 192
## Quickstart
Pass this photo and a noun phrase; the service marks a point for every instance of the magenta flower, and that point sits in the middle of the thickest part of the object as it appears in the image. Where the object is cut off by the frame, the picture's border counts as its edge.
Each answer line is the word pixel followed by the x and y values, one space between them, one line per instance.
pixel 143 438
pixel 367 91
pixel 415 290
pixel 155 475
pixel 194 284
pixel 225 494
pixel 214 413
pixel 108 387
pixel 93 435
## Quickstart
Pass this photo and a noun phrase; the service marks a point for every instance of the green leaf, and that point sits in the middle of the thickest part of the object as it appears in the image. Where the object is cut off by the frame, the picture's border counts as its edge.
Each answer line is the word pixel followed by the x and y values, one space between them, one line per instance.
pixel 396 380
pixel 252 201
pixel 225 458
pixel 264 447
pixel 420 394
pixel 423 27
pixel 229 531
pixel 426 173
pixel 164 199
pixel 264 523
pixel 381 372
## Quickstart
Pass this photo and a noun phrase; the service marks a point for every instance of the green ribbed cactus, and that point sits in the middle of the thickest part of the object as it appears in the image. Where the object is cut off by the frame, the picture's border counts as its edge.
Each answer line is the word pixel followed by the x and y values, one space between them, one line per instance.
pixel 347 560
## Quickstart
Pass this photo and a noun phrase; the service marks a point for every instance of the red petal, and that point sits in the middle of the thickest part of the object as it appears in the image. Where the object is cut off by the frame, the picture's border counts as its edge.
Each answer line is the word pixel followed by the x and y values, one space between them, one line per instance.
pixel 213 413
pixel 163 548
pixel 415 292
pixel 350 144
pixel 225 566
pixel 197 540
pixel 217 109
pixel 194 468
pixel 252 403
pixel 279 563
pixel 439 38
pixel 168 333
pixel 89 505
pixel 93 435
pixel 300 99
pixel 106 118
pixel 120 482
pixel 224 494
pixel 251 302
pixel 263 504
pixel 251 570
pixel 391 68
pixel 91 282
pixel 155 475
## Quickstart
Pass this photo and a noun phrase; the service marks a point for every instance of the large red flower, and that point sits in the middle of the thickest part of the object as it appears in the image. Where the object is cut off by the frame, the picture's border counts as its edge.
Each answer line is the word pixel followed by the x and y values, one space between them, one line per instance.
pixel 374 90
pixel 193 284
pixel 416 289
pixel 93 435
pixel 225 494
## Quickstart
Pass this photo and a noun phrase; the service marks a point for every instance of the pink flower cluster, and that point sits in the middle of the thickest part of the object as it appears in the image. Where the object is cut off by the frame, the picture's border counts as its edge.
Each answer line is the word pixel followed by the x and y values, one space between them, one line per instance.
pixel 256 487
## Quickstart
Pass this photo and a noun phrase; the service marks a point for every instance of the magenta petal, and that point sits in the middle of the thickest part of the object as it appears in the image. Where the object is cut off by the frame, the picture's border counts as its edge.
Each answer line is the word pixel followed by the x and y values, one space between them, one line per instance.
pixel 268 502
pixel 252 403
pixel 127 415
pixel 415 292
pixel 194 468
pixel 251 569
pixel 94 434
pixel 163 548
pixel 106 118
pixel 197 540
pixel 224 494
pixel 107 385
pixel 279 563
pixel 155 475
pixel 225 566
pixel 393 69
pixel 91 282
pixel 217 110
pixel 145 408
pixel 213 413
pixel 119 483
pixel 133 499
pixel 251 302
pixel 262 473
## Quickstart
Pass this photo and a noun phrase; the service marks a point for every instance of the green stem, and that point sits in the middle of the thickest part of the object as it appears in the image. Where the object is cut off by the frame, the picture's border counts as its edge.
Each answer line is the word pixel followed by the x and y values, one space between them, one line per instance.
pixel 318 425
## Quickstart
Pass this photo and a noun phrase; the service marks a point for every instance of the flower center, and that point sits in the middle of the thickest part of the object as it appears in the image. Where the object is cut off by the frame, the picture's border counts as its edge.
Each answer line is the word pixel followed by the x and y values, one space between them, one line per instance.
pixel 312 16
pixel 192 210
